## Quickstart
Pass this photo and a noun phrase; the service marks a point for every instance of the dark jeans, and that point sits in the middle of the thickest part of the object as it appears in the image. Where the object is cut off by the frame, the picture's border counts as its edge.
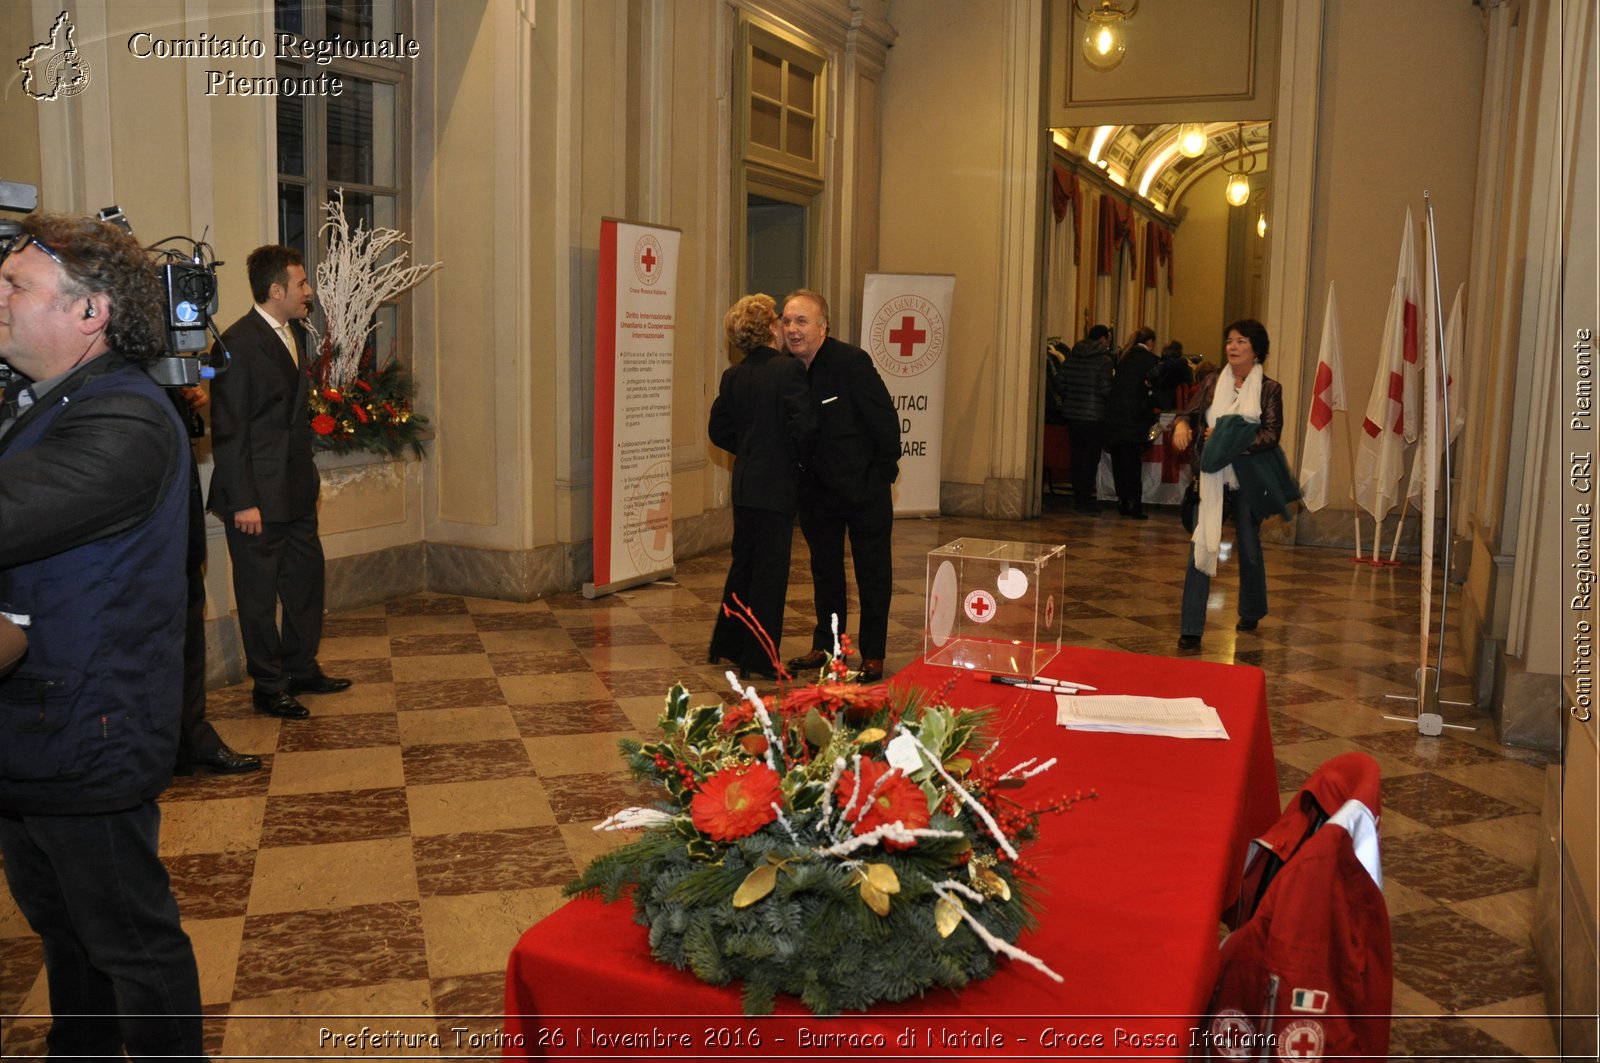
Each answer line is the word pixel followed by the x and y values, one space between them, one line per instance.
pixel 282 564
pixel 870 527
pixel 1088 440
pixel 759 575
pixel 120 968
pixel 1252 574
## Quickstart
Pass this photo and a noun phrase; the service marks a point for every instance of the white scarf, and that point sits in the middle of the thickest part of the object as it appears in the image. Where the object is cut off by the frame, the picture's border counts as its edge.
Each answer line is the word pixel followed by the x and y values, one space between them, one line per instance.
pixel 1241 400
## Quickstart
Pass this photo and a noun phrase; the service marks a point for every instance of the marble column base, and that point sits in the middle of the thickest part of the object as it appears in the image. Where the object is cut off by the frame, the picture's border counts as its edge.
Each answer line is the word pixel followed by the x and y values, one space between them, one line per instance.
pixel 1527 707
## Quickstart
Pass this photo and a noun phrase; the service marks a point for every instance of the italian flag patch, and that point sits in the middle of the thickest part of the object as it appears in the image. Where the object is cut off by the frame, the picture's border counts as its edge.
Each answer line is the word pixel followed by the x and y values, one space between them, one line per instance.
pixel 1309 1000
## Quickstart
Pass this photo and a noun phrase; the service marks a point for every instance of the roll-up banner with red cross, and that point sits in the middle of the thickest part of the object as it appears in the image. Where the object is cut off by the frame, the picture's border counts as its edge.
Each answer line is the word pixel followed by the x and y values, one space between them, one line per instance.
pixel 905 326
pixel 635 308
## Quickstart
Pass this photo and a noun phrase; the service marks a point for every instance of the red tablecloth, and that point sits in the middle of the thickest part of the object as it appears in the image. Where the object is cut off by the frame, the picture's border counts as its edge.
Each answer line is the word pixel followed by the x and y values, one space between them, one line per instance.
pixel 1131 886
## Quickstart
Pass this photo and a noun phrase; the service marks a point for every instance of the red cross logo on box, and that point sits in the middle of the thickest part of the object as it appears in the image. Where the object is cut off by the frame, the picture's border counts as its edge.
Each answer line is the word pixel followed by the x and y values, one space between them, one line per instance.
pixel 980 606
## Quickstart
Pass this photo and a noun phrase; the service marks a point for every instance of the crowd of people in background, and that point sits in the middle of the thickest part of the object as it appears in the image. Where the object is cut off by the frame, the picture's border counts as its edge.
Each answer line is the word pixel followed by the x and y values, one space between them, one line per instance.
pixel 1112 404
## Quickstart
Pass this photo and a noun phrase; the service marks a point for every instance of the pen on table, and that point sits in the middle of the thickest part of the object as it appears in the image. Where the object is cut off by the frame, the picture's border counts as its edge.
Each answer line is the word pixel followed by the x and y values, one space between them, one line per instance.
pixel 1039 682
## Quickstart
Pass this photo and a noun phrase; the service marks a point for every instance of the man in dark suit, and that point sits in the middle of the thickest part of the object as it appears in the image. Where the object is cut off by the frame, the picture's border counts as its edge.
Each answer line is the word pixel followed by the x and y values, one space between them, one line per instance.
pixel 264 486
pixel 845 488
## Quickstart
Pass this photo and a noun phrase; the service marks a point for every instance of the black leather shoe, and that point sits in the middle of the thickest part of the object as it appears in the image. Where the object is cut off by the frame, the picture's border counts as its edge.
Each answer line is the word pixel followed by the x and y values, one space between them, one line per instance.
pixel 809 663
pixel 1245 625
pixel 1188 642
pixel 871 670
pixel 758 673
pixel 224 761
pixel 318 684
pixel 282 705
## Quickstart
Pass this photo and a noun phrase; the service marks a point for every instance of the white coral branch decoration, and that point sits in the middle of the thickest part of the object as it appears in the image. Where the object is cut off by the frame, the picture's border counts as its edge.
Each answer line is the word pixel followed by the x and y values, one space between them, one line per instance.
pixel 353 281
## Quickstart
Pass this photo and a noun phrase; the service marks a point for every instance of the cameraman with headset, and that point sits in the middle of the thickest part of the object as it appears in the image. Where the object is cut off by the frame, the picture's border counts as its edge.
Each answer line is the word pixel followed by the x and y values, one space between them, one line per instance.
pixel 94 496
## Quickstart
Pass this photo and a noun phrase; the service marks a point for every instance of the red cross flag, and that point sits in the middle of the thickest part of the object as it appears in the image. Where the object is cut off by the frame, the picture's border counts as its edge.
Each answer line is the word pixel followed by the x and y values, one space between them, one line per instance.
pixel 1327 395
pixel 1391 420
pixel 1456 407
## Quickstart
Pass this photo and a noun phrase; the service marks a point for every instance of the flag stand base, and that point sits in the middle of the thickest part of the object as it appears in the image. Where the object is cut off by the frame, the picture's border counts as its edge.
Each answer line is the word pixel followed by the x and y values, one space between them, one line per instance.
pixel 1427 719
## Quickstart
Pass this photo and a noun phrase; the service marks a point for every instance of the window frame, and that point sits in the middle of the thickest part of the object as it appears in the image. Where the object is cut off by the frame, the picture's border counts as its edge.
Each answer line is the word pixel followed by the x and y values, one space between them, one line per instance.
pixel 315 184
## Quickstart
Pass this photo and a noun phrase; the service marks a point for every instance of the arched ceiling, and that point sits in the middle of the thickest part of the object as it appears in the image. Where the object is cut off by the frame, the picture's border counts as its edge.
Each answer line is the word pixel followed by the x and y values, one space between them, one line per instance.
pixel 1144 159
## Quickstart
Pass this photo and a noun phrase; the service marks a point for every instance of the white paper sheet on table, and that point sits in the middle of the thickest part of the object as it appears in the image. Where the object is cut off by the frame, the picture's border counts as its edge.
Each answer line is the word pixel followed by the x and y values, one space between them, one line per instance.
pixel 1129 714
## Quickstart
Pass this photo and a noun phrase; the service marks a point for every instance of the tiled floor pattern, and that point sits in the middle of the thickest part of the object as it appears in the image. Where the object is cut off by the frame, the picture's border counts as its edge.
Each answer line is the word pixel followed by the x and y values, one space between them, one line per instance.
pixel 400 840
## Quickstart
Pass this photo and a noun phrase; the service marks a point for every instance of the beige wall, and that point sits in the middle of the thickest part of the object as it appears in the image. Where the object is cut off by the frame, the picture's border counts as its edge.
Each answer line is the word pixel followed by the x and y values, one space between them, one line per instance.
pixel 1200 264
pixel 941 209
pixel 1384 135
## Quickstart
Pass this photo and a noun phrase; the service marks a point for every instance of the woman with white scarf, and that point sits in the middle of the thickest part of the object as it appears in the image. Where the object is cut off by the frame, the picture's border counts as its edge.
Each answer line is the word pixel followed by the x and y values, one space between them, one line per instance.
pixel 1243 417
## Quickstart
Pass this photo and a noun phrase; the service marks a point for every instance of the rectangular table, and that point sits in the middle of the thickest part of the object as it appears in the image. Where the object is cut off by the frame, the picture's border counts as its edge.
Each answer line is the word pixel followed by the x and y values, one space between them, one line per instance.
pixel 1130 888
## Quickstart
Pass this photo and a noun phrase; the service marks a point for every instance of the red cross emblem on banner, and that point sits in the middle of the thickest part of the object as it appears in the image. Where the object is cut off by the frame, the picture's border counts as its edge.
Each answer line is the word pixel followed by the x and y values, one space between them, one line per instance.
pixel 907 336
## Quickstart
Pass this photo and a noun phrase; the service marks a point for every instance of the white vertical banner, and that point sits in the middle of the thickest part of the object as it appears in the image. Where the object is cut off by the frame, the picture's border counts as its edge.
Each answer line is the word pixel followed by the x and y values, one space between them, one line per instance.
pixel 635 311
pixel 905 327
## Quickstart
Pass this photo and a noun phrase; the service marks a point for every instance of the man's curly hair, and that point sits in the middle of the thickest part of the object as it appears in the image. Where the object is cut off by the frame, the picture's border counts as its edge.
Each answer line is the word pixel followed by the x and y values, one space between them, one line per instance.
pixel 99 257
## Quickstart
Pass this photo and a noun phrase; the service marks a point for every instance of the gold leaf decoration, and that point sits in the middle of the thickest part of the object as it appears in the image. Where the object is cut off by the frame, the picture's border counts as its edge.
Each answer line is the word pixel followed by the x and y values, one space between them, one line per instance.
pixel 817 730
pixel 958 765
pixel 875 898
pixel 756 885
pixel 883 878
pixel 871 735
pixel 947 916
pixel 991 884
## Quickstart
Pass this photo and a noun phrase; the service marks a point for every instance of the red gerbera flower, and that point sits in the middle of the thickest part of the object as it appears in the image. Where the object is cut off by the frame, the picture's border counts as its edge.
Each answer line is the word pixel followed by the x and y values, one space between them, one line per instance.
pixel 331 394
pixel 897 799
pixel 323 425
pixel 736 802
pixel 361 414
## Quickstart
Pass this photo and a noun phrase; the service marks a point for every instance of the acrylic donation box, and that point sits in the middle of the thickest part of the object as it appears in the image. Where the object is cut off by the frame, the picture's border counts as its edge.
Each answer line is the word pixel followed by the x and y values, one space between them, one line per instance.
pixel 994 606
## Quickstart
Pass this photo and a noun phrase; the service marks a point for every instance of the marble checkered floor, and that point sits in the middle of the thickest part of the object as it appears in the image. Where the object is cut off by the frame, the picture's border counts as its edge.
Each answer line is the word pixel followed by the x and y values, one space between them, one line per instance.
pixel 399 841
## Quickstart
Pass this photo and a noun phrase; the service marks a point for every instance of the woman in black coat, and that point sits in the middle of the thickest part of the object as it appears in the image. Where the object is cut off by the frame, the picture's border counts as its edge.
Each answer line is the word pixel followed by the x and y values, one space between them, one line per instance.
pixel 763 417
pixel 1130 413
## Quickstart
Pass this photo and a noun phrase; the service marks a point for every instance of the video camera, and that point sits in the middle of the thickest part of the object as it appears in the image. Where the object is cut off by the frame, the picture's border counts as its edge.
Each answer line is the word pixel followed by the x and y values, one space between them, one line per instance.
pixel 188 283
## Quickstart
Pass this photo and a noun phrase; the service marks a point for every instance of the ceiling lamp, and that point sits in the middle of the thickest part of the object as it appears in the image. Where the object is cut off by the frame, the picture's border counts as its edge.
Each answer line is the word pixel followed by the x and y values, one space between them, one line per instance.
pixel 1105 41
pixel 1238 191
pixel 1191 140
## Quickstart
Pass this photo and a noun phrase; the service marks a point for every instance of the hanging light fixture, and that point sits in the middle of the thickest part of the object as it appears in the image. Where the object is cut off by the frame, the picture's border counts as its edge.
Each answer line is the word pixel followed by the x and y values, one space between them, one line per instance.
pixel 1261 223
pixel 1238 190
pixel 1105 41
pixel 1191 140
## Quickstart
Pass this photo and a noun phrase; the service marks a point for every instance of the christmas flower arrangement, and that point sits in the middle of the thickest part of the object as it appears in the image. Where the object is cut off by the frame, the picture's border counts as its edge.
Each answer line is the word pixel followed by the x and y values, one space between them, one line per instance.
pixel 845 844
pixel 356 403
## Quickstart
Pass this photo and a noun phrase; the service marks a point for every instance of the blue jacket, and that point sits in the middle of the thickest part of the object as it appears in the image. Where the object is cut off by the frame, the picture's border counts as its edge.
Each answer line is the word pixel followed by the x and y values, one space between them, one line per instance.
pixel 89 719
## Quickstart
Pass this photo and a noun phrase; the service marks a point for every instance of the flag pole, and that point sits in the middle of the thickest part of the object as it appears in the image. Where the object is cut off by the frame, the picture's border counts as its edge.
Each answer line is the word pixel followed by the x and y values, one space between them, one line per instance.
pixel 1428 719
pixel 1400 523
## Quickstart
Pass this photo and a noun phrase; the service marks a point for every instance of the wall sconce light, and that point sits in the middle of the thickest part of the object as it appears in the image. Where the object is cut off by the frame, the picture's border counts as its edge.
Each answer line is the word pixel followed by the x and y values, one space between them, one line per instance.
pixel 1238 191
pixel 1191 140
pixel 1105 41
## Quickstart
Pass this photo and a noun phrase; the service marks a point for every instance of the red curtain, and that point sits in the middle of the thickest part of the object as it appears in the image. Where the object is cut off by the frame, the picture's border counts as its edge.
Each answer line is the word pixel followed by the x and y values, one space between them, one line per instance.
pixel 1157 251
pixel 1116 228
pixel 1067 194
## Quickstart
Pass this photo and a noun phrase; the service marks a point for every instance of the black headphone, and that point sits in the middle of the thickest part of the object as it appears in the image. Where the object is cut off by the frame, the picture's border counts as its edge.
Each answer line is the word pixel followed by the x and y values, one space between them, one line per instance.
pixel 88 311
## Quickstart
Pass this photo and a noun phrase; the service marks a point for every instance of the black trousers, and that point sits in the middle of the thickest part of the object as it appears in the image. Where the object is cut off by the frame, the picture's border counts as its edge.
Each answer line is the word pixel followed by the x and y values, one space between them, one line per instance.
pixel 282 564
pixel 120 968
pixel 759 576
pixel 196 737
pixel 1127 472
pixel 1088 440
pixel 826 522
